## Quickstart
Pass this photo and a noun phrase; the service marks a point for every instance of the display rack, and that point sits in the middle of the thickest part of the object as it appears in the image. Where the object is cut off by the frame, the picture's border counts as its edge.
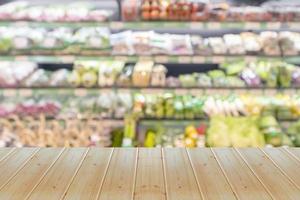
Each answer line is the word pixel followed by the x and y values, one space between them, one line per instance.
pixel 176 64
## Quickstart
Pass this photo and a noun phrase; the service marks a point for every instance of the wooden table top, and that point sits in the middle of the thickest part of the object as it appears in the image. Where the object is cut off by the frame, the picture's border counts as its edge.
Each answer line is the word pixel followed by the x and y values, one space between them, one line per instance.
pixel 149 174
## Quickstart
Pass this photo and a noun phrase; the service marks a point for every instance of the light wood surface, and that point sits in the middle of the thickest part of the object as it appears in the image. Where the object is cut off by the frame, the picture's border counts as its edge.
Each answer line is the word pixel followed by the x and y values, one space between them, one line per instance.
pixel 149 174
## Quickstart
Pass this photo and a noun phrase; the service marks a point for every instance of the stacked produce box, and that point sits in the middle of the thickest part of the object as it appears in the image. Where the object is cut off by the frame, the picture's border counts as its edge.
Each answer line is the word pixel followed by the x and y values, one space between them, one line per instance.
pixel 150 73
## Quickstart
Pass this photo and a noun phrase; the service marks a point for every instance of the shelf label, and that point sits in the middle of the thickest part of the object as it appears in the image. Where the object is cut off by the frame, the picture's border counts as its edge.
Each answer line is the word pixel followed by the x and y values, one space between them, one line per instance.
pixel 252 25
pixel 250 58
pixel 241 91
pixel 67 59
pixel 210 91
pixel 25 92
pixel 161 59
pixel 145 58
pixel 213 25
pixel 196 92
pixel 116 25
pixel 273 25
pixel 121 58
pixel 9 92
pixel 80 92
pixel 196 25
pixel 290 92
pixel 294 25
pixel 218 59
pixel 181 91
pixel 270 92
pixel 124 90
pixel 184 59
pixel 21 58
pixel 198 59
pixel 257 92
pixel 150 91
pixel 223 91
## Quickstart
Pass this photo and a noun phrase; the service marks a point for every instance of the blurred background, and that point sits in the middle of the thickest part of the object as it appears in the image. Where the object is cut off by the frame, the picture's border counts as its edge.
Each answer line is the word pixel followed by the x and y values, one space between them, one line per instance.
pixel 150 73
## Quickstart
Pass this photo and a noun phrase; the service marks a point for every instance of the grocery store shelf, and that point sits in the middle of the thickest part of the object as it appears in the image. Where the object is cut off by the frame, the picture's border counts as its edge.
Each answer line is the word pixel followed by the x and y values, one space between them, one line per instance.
pixel 23 91
pixel 159 58
pixel 118 25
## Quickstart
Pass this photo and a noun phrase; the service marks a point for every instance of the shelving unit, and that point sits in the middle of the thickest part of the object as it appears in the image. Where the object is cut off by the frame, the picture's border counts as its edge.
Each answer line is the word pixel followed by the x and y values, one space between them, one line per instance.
pixel 52 59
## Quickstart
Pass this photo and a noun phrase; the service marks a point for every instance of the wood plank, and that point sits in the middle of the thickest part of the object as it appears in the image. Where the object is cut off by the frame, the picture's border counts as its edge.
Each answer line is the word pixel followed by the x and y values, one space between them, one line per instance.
pixel 269 174
pixel 289 166
pixel 150 177
pixel 5 152
pixel 28 177
pixel 180 181
pixel 58 178
pixel 294 152
pixel 15 162
pixel 240 177
pixel 120 178
pixel 90 177
pixel 207 171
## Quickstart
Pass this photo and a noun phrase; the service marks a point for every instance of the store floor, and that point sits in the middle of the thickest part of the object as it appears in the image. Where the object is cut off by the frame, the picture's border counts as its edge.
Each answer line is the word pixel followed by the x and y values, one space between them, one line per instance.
pixel 149 174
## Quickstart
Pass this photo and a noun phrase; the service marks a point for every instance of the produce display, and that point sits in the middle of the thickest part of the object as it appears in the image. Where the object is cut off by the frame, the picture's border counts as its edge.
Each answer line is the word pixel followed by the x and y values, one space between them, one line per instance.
pixel 91 73
pixel 74 12
pixel 42 132
pixel 204 10
pixel 188 136
pixel 81 74
pixel 18 40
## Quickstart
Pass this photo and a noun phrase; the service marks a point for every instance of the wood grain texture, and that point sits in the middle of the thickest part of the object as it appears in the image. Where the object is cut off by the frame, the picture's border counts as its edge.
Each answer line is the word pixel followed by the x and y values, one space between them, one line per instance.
pixel 278 184
pixel 14 162
pixel 289 166
pixel 181 182
pixel 90 176
pixel 241 178
pixel 28 177
pixel 207 171
pixel 54 184
pixel 150 176
pixel 294 152
pixel 120 178
pixel 5 152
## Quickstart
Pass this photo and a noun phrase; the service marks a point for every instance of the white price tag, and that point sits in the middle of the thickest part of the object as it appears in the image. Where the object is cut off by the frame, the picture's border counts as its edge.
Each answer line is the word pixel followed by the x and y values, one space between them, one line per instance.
pixel 257 92
pixel 80 92
pixel 116 25
pixel 223 92
pixel 145 58
pixel 124 90
pixel 9 92
pixel 252 25
pixel 149 91
pixel 181 91
pixel 161 59
pixel 210 92
pixel 196 92
pixel 241 91
pixel 294 25
pixel 250 58
pixel 196 25
pixel 273 25
pixel 25 92
pixel 214 25
pixel 270 92
pixel 121 58
pixel 198 59
pixel 218 59
pixel 184 59
pixel 67 59
pixel 290 92
pixel 21 58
